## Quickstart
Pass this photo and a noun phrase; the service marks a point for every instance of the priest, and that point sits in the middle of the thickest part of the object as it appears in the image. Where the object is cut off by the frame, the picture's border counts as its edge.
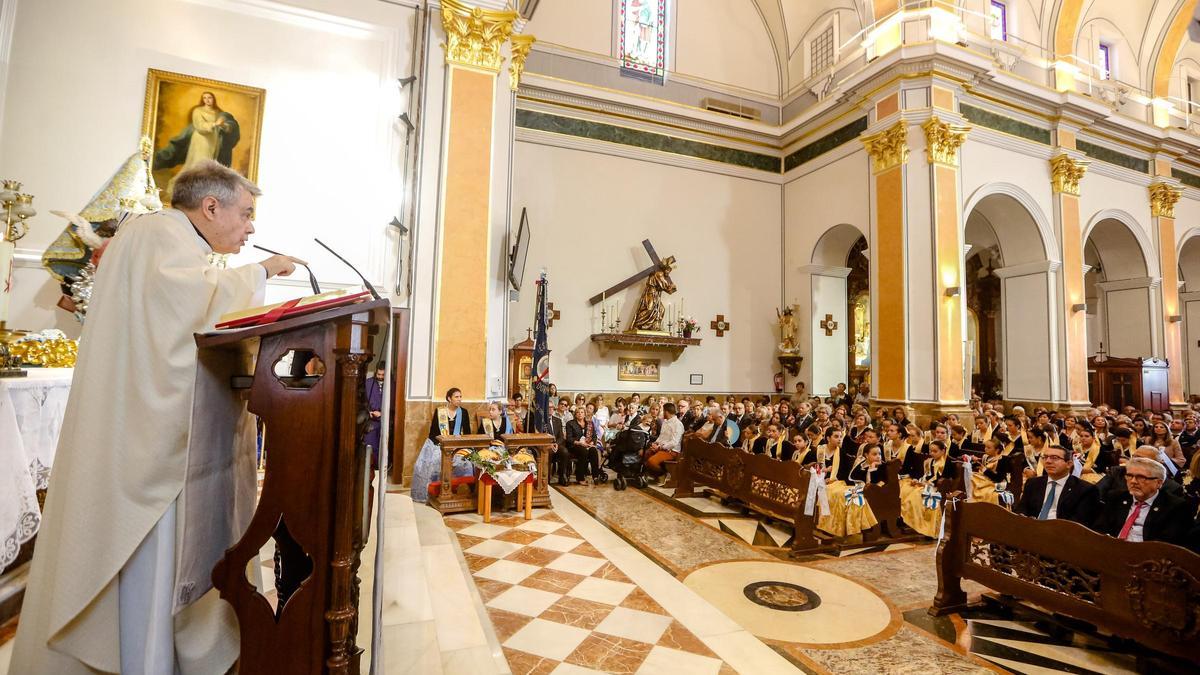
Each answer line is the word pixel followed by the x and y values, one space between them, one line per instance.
pixel 102 588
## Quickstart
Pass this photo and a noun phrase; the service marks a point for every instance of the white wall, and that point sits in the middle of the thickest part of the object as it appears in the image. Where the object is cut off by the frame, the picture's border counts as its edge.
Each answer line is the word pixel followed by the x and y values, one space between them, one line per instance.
pixel 726 42
pixel 808 214
pixel 330 157
pixel 586 25
pixel 829 354
pixel 588 215
pixel 1026 344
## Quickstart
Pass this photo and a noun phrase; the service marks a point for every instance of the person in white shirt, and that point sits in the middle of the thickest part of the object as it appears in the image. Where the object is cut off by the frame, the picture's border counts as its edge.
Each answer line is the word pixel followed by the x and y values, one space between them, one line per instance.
pixel 667 446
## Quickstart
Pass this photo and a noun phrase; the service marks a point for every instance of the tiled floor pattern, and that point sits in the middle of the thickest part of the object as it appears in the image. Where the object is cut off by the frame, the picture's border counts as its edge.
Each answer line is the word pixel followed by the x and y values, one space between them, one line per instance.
pixel 1023 642
pixel 558 605
pixel 771 536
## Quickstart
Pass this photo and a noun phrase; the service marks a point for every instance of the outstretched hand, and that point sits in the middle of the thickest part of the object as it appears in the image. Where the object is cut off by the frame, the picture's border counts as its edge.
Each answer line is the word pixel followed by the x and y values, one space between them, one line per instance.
pixel 281 265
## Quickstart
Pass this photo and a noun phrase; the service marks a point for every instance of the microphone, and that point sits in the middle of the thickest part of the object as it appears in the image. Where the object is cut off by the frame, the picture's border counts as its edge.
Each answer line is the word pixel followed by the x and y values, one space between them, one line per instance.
pixel 312 280
pixel 370 287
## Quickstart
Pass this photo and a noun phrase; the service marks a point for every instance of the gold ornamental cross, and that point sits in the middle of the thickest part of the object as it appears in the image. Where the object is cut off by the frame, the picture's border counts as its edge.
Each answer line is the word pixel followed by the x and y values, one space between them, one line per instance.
pixel 552 316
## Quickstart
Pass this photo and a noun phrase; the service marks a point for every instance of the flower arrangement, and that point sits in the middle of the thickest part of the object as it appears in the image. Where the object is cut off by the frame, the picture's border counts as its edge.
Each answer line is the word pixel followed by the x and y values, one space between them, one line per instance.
pixel 496 458
pixel 688 325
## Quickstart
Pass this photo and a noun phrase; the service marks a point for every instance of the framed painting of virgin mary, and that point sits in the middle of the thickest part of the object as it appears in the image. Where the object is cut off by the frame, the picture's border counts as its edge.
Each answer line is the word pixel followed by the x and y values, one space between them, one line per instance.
pixel 190 119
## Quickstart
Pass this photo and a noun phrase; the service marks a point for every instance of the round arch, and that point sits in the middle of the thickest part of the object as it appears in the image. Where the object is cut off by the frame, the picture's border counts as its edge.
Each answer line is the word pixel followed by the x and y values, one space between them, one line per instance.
pixel 1018 194
pixel 1145 246
pixel 835 243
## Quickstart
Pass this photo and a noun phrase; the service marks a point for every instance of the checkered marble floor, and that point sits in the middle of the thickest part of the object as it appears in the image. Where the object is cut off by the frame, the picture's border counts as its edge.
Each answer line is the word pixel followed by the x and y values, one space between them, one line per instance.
pixel 559 606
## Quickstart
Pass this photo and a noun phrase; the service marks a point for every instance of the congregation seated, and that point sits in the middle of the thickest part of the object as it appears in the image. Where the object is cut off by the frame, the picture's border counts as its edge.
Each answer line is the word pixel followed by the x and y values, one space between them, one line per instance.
pixel 583 447
pixel 774 443
pixel 1113 482
pixel 668 444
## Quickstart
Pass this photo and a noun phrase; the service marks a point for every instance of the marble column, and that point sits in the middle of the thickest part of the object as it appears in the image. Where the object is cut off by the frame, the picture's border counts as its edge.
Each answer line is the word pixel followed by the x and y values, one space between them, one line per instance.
pixel 1164 193
pixel 1067 169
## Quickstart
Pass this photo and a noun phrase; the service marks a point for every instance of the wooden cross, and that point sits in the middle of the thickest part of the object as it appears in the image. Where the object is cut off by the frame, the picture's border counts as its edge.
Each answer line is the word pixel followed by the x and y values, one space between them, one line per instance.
pixel 552 316
pixel 720 325
pixel 828 324
pixel 657 265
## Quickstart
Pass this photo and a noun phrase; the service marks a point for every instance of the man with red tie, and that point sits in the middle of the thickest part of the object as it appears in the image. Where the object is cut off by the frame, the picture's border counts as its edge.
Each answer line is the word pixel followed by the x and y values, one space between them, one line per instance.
pixel 1145 512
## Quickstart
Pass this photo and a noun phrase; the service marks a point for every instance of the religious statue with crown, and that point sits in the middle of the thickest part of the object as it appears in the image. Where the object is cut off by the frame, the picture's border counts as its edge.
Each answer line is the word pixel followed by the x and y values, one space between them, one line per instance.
pixel 74 255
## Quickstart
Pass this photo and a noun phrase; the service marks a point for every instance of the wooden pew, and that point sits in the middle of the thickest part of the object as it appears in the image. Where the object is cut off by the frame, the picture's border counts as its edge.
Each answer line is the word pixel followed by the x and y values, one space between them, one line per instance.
pixel 768 486
pixel 1146 591
pixel 884 501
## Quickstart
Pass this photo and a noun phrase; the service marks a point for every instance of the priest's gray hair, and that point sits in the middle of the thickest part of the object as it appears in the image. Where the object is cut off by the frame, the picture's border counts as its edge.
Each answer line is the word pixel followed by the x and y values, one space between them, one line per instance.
pixel 209 179
pixel 1156 469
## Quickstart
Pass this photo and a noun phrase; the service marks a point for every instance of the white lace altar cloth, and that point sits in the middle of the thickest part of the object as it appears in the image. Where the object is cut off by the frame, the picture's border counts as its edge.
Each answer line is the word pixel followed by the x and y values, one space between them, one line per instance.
pixel 31 415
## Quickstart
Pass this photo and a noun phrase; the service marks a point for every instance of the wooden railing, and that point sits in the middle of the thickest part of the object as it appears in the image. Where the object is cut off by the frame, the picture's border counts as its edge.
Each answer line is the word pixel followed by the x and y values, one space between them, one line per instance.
pixel 1146 591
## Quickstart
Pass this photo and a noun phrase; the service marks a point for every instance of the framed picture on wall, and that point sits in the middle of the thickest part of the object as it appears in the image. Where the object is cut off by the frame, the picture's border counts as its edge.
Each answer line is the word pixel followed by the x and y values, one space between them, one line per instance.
pixel 638 370
pixel 190 119
pixel 697 379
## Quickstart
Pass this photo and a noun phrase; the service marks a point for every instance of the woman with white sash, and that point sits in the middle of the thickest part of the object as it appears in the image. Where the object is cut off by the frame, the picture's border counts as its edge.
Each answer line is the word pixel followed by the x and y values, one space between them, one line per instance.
pixel 448 420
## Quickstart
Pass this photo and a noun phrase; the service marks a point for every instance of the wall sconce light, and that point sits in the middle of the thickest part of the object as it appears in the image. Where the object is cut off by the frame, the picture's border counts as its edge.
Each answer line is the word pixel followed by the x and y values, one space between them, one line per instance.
pixel 1079 307
pixel 953 291
pixel 1175 318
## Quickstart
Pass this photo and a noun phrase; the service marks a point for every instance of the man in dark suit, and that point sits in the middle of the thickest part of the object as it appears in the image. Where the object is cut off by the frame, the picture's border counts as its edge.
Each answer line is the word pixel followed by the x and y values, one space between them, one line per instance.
pixel 1113 485
pixel 1057 495
pixel 1146 512
pixel 561 458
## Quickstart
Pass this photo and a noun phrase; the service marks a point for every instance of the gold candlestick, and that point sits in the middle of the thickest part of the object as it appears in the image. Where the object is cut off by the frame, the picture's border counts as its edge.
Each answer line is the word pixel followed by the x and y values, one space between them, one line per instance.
pixel 17 208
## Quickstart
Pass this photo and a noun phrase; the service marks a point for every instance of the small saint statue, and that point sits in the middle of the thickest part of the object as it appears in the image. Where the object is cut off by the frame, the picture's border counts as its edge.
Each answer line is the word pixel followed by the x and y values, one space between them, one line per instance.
pixel 787 330
pixel 649 316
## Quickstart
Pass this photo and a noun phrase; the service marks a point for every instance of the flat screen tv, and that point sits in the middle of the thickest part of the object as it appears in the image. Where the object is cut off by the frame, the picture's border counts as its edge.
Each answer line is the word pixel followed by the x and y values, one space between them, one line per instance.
pixel 520 251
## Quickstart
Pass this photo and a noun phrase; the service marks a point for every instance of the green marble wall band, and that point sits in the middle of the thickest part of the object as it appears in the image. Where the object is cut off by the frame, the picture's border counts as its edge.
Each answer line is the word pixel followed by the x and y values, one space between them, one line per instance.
pixel 825 144
pixel 540 121
pixel 1008 125
pixel 1113 157
pixel 1189 179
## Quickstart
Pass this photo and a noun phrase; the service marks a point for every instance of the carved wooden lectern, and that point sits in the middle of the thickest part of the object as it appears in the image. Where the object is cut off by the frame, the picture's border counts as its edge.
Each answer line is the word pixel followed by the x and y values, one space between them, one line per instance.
pixel 306 388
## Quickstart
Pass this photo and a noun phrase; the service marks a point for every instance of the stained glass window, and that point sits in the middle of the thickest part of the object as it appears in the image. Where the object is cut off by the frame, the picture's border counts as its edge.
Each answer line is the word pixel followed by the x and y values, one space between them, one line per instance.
pixel 1105 58
pixel 999 16
pixel 643 39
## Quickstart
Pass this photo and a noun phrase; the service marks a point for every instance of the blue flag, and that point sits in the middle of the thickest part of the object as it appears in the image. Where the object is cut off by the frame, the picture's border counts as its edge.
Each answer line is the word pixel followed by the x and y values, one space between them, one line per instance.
pixel 541 363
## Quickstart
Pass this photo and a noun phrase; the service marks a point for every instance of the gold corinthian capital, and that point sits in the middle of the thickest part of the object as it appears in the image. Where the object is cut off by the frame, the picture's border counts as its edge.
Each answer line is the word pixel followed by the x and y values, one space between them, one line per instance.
pixel 942 141
pixel 521 44
pixel 1162 200
pixel 1065 174
pixel 474 35
pixel 889 148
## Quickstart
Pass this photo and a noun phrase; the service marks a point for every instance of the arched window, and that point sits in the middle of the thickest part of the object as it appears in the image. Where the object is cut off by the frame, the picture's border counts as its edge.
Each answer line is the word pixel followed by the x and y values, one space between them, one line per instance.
pixel 642 41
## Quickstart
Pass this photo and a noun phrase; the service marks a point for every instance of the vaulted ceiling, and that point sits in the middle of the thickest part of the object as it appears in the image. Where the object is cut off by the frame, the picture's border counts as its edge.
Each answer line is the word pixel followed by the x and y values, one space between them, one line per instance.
pixel 1154 30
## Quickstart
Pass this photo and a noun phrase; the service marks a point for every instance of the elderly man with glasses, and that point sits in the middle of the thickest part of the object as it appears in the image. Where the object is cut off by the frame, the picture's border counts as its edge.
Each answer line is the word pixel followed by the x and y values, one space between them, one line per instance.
pixel 1145 512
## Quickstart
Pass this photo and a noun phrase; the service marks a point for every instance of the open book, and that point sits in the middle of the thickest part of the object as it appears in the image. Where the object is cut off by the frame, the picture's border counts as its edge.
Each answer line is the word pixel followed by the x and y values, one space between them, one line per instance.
pixel 257 316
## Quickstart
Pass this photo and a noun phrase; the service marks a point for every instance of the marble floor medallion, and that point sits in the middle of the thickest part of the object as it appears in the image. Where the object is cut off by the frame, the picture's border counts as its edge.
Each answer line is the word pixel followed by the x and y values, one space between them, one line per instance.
pixel 793 603
pixel 781 595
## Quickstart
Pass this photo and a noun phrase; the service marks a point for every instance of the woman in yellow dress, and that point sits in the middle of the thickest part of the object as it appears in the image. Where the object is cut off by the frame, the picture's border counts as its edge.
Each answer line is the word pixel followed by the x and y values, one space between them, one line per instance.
pixel 920 502
pixel 849 513
pixel 990 474
pixel 1091 453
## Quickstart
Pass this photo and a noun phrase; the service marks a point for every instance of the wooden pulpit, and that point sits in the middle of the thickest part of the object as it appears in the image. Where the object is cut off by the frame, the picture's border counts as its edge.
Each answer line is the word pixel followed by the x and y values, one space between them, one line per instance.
pixel 306 386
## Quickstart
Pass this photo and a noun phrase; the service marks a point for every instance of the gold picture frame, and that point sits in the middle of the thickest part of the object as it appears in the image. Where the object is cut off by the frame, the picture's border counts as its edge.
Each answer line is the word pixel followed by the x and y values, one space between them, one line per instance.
pixel 638 370
pixel 177 103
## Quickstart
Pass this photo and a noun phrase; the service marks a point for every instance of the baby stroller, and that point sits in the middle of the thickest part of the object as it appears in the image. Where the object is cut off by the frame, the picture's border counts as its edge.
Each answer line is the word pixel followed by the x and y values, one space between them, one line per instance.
pixel 625 457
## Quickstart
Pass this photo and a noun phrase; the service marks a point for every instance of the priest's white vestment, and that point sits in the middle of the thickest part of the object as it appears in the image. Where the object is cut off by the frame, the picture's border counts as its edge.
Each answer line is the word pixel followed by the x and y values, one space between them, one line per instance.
pixel 123 463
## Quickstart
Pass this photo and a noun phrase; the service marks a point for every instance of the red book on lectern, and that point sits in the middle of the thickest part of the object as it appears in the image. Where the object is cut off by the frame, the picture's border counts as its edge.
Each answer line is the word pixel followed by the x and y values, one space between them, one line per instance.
pixel 259 316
